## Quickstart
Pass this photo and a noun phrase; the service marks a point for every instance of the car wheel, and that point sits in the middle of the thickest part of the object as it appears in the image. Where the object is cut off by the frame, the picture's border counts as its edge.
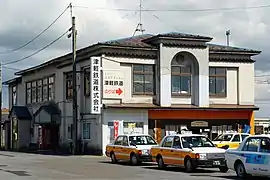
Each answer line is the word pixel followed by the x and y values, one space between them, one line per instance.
pixel 240 170
pixel 160 163
pixel 113 158
pixel 223 169
pixel 134 160
pixel 189 166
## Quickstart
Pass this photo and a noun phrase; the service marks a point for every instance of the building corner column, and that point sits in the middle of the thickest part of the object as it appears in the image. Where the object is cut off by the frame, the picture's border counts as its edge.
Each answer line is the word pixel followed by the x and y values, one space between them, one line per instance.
pixel 252 123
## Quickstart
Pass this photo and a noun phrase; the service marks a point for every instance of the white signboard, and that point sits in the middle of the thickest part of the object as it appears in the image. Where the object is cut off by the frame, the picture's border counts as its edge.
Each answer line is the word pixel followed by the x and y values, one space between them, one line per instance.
pixel 113 84
pixel 95 80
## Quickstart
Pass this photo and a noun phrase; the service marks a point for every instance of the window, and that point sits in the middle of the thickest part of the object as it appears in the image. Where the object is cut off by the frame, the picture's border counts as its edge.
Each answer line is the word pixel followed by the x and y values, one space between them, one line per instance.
pixel 143 79
pixel 176 142
pixel 180 77
pixel 28 92
pixel 243 136
pixel 217 81
pixel 39 91
pixel 196 141
pixel 34 91
pixel 265 145
pixel 86 127
pixel 70 131
pixel 125 141
pixel 119 140
pixel 69 86
pixel 86 82
pixel 14 95
pixel 168 142
pixel 236 138
pixel 51 88
pixel 142 140
pixel 251 145
pixel 45 89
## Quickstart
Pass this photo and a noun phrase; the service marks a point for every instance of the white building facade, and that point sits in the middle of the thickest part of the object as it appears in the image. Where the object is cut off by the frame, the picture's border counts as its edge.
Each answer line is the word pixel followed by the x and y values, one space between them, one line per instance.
pixel 134 85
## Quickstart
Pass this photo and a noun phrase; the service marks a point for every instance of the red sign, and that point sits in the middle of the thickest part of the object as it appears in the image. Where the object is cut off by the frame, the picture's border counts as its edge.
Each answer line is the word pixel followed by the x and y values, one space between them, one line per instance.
pixel 118 91
pixel 116 127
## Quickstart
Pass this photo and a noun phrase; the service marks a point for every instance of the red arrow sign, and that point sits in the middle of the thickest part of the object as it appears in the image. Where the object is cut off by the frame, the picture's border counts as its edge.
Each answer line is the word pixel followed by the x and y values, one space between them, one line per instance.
pixel 119 91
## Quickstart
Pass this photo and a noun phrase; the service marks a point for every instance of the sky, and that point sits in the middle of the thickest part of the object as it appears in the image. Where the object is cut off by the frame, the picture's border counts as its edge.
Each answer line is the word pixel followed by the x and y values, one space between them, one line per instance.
pixel 97 21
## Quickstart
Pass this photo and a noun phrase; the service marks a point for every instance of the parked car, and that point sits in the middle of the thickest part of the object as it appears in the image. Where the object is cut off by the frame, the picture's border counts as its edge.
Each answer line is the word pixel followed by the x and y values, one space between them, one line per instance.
pixel 189 151
pixel 230 140
pixel 252 157
pixel 133 148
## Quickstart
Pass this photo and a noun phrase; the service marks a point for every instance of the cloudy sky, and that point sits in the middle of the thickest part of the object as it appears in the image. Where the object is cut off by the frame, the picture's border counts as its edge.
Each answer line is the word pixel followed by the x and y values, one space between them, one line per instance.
pixel 97 20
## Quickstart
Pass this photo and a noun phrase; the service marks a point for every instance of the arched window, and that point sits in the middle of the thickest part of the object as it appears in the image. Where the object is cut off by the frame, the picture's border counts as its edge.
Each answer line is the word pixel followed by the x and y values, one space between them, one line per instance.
pixel 180 77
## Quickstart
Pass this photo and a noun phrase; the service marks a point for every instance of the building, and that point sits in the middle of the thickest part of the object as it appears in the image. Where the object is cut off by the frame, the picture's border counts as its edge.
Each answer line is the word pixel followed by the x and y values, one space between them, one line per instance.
pixel 262 125
pixel 153 84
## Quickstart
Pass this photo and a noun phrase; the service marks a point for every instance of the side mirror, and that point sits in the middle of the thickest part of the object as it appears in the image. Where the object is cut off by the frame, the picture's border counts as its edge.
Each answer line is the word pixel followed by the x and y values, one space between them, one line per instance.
pixel 190 146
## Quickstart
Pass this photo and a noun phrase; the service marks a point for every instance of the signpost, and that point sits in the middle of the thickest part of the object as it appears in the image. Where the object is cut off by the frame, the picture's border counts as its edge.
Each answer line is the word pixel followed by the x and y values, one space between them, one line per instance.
pixel 95 79
pixel 113 84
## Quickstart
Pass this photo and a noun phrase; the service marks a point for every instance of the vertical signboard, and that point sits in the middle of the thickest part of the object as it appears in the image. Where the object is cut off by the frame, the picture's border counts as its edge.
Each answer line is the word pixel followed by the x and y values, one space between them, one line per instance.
pixel 116 128
pixel 95 80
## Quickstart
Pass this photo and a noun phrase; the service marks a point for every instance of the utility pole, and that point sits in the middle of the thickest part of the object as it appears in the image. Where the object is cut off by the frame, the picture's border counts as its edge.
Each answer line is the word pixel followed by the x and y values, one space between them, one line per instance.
pixel 139 27
pixel 228 33
pixel 74 83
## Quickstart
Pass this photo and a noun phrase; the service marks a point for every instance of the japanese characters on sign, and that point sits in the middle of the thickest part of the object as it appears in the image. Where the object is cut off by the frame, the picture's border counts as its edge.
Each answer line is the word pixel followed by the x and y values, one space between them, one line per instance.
pixel 95 80
pixel 113 84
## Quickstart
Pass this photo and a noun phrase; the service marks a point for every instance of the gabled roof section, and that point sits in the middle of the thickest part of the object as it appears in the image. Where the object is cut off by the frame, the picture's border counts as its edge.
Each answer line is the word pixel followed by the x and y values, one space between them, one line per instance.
pixel 134 41
pixel 49 108
pixel 222 48
pixel 21 112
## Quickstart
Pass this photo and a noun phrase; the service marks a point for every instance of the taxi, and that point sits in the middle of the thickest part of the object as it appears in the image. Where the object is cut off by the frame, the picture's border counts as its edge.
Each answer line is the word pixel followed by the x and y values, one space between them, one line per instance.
pixel 189 151
pixel 133 148
pixel 252 157
pixel 230 140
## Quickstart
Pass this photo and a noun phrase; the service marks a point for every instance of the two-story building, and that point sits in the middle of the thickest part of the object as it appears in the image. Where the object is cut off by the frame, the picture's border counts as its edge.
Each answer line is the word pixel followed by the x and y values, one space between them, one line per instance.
pixel 152 84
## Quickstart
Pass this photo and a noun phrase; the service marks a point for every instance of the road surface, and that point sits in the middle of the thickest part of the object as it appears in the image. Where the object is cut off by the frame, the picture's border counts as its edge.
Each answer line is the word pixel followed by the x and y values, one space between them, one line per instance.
pixel 22 166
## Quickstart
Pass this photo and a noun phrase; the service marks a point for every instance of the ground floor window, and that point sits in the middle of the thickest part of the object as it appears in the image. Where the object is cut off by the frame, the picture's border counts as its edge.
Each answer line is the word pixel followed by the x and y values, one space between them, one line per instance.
pixel 86 130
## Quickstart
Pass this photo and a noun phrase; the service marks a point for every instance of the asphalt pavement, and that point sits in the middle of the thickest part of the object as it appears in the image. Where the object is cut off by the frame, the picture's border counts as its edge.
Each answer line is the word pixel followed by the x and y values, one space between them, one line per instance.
pixel 23 166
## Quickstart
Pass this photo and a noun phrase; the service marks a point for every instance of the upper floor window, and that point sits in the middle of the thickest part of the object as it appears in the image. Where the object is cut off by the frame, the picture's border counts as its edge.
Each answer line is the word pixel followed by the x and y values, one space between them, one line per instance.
pixel 143 79
pixel 86 84
pixel 217 81
pixel 69 86
pixel 40 90
pixel 180 77
pixel 14 95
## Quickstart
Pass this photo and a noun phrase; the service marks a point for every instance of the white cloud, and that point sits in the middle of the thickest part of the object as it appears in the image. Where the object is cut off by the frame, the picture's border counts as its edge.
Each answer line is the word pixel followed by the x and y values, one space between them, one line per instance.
pixel 24 19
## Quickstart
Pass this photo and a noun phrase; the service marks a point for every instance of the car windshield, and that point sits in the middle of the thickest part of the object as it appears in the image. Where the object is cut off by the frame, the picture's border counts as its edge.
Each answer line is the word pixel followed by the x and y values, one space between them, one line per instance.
pixel 224 137
pixel 196 141
pixel 142 140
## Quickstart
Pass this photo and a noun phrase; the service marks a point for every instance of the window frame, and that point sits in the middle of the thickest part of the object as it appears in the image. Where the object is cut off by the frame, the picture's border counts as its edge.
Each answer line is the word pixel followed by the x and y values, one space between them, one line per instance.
pixel 215 76
pixel 181 74
pixel 14 95
pixel 85 124
pixel 69 88
pixel 249 139
pixel 164 141
pixel 86 85
pixel 144 73
pixel 117 140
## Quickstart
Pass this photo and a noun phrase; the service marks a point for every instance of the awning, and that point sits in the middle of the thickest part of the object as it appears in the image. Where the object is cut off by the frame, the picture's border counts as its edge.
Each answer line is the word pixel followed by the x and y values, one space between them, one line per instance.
pixel 48 114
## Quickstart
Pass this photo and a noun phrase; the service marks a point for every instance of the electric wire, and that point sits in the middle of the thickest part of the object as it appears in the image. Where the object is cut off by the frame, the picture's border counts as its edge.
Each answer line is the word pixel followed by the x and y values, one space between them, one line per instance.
pixel 37 36
pixel 179 10
pixel 45 47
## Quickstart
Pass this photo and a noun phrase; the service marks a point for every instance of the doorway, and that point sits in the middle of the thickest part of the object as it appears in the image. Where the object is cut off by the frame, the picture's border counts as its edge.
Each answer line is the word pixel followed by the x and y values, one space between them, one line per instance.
pixel 49 136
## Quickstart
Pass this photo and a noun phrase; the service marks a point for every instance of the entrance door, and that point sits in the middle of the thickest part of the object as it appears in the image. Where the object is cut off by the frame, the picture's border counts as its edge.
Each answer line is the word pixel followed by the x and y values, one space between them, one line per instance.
pixel 50 136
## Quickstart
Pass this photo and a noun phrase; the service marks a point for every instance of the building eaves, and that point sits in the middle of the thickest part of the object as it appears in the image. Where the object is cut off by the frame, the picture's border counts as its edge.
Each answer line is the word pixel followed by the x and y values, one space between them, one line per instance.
pixel 215 48
pixel 13 80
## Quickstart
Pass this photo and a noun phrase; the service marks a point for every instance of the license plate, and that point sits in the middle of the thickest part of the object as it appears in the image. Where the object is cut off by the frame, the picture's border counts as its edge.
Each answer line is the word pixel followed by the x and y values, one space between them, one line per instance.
pixel 216 163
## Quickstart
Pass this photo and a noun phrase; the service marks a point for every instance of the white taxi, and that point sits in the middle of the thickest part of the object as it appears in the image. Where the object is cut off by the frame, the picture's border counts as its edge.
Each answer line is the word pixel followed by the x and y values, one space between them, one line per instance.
pixel 252 157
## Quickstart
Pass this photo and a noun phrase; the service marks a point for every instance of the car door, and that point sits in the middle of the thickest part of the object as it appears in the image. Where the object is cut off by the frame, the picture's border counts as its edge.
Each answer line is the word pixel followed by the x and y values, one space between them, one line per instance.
pixel 166 150
pixel 117 147
pixel 125 149
pixel 249 153
pixel 235 141
pixel 177 151
pixel 264 157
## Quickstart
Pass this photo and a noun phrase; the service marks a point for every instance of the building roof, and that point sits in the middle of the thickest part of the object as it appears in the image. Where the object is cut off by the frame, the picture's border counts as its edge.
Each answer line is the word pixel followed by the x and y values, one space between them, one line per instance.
pixel 142 42
pixel 13 80
pixel 49 108
pixel 21 112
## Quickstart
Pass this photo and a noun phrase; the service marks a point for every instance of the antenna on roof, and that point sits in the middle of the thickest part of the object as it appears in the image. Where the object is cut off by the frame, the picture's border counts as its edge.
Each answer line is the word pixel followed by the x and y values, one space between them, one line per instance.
pixel 228 33
pixel 139 27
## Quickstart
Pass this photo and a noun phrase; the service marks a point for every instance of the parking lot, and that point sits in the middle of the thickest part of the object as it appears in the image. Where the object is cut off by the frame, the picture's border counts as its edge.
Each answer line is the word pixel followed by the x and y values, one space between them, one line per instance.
pixel 45 167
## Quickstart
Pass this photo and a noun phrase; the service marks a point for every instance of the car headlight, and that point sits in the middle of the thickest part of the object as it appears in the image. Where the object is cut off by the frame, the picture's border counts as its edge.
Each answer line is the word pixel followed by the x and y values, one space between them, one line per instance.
pixel 203 156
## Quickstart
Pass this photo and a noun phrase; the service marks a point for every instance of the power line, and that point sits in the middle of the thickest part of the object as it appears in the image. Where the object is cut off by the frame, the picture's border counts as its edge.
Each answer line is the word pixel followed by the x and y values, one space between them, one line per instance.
pixel 179 10
pixel 42 32
pixel 18 60
pixel 10 68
